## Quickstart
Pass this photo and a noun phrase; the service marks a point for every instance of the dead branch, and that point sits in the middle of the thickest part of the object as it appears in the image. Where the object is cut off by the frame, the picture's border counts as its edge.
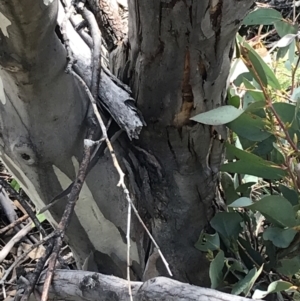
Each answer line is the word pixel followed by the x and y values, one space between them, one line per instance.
pixel 6 204
pixel 109 21
pixel 82 285
pixel 25 205
pixel 114 96
pixel 16 238
pixel 73 197
pixel 15 223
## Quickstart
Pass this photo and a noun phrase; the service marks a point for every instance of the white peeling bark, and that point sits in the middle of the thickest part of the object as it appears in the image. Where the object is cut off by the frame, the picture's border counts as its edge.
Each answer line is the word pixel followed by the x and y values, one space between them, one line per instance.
pixel 42 127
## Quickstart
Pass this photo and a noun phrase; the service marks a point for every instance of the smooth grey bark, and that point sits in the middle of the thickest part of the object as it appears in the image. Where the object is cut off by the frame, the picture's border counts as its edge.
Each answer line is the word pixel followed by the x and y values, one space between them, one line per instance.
pixel 42 128
pixel 80 285
pixel 176 61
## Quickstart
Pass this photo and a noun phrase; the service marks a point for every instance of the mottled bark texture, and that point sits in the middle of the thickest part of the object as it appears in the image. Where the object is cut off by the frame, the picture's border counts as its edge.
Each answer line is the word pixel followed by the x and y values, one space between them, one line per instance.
pixel 176 60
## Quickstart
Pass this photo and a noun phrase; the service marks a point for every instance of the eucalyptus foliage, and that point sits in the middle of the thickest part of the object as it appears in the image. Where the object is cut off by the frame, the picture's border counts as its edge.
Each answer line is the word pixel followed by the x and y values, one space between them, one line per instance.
pixel 255 247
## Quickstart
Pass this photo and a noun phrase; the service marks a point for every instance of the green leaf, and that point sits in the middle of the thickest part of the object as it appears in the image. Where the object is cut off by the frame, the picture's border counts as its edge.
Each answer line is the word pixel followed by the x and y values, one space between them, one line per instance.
pixel 239 80
pixel 276 155
pixel 236 266
pixel 274 287
pixel 262 73
pixel 285 110
pixel 290 194
pixel 241 202
pixel 218 116
pixel 277 210
pixel 208 242
pixel 41 217
pixel 15 185
pixel 264 148
pixel 289 266
pixel 296 95
pixel 257 107
pixel 292 54
pixel 215 270
pixel 249 126
pixel 246 252
pixel 245 189
pixel 250 164
pixel 271 252
pixel 249 178
pixel 286 40
pixel 256 94
pixel 245 284
pixel 281 238
pixel 281 53
pixel 288 114
pixel 227 224
pixel 228 188
pixel 234 100
pixel 283 28
pixel 262 16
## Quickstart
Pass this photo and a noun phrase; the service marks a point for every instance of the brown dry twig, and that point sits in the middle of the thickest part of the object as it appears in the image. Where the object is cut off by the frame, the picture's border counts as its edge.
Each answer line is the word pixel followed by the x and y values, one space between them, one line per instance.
pixel 16 238
pixel 24 255
pixel 67 214
pixel 83 169
pixel 25 205
pixel 15 223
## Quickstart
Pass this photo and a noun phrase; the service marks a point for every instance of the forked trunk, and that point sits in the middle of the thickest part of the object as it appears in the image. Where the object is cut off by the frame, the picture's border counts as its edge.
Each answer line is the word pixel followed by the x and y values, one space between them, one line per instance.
pixel 176 61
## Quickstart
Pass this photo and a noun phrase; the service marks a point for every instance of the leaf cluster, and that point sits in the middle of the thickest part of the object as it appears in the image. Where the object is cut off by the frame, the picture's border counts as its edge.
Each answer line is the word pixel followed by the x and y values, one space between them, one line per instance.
pixel 255 248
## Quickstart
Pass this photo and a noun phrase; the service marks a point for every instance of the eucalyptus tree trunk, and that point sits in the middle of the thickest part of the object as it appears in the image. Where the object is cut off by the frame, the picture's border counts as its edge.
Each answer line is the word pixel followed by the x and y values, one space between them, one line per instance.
pixel 176 59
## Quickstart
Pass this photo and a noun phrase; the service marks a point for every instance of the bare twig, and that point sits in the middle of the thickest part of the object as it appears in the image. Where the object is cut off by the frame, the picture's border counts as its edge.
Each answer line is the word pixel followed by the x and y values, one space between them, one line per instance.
pixel 73 196
pixel 5 251
pixel 24 255
pixel 294 72
pixel 25 205
pixel 281 124
pixel 37 272
pixel 6 204
pixel 294 11
pixel 128 250
pixel 51 268
pixel 96 51
pixel 15 223
pixel 118 168
pixel 96 70
pixel 68 12
pixel 147 231
pixel 109 21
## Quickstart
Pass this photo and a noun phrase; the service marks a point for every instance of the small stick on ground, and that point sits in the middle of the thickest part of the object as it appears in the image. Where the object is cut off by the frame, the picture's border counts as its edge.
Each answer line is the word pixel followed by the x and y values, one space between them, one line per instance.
pixel 24 255
pixel 25 205
pixel 38 270
pixel 15 223
pixel 16 238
